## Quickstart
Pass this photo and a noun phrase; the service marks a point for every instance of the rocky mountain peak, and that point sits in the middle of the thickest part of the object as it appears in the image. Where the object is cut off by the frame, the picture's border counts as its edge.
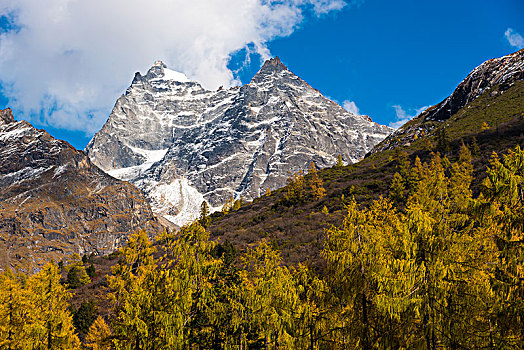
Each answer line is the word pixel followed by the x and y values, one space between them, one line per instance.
pixel 274 63
pixel 160 72
pixel 6 116
pixel 271 68
pixel 182 144
pixel 156 71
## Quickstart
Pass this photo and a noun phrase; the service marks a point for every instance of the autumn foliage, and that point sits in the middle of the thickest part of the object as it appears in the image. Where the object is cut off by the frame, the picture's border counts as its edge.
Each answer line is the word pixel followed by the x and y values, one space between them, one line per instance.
pixel 429 266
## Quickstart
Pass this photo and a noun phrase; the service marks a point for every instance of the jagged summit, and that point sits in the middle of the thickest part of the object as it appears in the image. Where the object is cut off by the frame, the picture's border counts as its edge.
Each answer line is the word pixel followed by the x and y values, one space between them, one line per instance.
pixel 6 116
pixel 156 71
pixel 271 68
pixel 273 63
pixel 160 72
pixel 159 63
pixel 182 144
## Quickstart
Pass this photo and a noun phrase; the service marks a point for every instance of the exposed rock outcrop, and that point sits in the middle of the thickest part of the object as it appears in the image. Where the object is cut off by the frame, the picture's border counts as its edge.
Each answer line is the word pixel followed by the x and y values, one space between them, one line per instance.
pixel 55 202
pixel 501 73
pixel 6 116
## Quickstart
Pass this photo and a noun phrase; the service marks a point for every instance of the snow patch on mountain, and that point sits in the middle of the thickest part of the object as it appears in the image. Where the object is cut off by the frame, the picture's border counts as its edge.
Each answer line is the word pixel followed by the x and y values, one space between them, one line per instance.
pixel 14 133
pixel 178 201
pixel 132 172
pixel 173 76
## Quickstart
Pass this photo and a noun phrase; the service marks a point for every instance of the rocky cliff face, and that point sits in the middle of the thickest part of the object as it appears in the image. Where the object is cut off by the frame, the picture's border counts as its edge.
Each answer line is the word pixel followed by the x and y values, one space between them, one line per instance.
pixel 55 202
pixel 501 73
pixel 183 144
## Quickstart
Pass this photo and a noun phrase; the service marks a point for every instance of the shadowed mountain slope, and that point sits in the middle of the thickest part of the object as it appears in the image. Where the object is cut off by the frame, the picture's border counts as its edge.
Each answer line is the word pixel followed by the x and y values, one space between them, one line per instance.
pixel 55 202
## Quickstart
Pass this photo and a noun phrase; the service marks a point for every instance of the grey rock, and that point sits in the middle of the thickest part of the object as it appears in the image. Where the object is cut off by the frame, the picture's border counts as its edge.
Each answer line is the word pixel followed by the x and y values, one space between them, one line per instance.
pixel 182 144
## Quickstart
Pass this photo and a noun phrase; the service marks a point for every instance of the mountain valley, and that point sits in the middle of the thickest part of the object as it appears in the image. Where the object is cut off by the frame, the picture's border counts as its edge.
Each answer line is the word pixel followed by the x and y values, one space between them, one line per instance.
pixel 424 232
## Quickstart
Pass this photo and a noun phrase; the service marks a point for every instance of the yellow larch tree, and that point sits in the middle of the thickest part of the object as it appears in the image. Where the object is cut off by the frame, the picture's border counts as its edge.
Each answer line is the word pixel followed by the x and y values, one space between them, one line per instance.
pixel 51 323
pixel 14 304
pixel 99 336
pixel 270 296
pixel 314 183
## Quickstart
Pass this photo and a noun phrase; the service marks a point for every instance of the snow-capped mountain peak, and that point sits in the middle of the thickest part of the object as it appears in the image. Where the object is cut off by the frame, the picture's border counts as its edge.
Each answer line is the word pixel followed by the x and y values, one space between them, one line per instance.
pixel 214 145
pixel 159 71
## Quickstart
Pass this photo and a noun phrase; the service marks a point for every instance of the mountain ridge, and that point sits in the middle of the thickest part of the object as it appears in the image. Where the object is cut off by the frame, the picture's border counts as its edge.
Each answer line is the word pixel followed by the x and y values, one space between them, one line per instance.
pixel 54 202
pixel 502 72
pixel 264 131
pixel 492 122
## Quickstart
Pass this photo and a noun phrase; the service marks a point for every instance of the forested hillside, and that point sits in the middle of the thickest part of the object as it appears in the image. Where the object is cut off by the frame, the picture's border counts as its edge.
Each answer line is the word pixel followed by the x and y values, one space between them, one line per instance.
pixel 494 122
pixel 430 266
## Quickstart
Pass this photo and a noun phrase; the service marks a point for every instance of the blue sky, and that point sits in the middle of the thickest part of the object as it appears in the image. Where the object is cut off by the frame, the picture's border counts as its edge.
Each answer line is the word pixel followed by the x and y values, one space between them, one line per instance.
pixel 399 53
pixel 390 58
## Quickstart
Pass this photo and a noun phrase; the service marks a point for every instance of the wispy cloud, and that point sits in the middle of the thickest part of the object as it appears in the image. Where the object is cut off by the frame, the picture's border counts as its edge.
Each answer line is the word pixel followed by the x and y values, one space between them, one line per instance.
pixel 351 107
pixel 404 116
pixel 63 63
pixel 514 39
pixel 324 6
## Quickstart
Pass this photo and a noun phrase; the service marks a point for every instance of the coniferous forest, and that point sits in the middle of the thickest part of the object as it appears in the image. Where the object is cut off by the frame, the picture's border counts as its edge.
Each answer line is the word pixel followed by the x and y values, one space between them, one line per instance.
pixel 429 265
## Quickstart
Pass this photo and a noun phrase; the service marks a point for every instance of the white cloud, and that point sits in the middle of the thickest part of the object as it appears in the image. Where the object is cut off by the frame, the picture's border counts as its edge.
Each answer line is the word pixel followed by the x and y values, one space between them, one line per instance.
pixel 351 107
pixel 68 60
pixel 514 38
pixel 325 6
pixel 405 116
